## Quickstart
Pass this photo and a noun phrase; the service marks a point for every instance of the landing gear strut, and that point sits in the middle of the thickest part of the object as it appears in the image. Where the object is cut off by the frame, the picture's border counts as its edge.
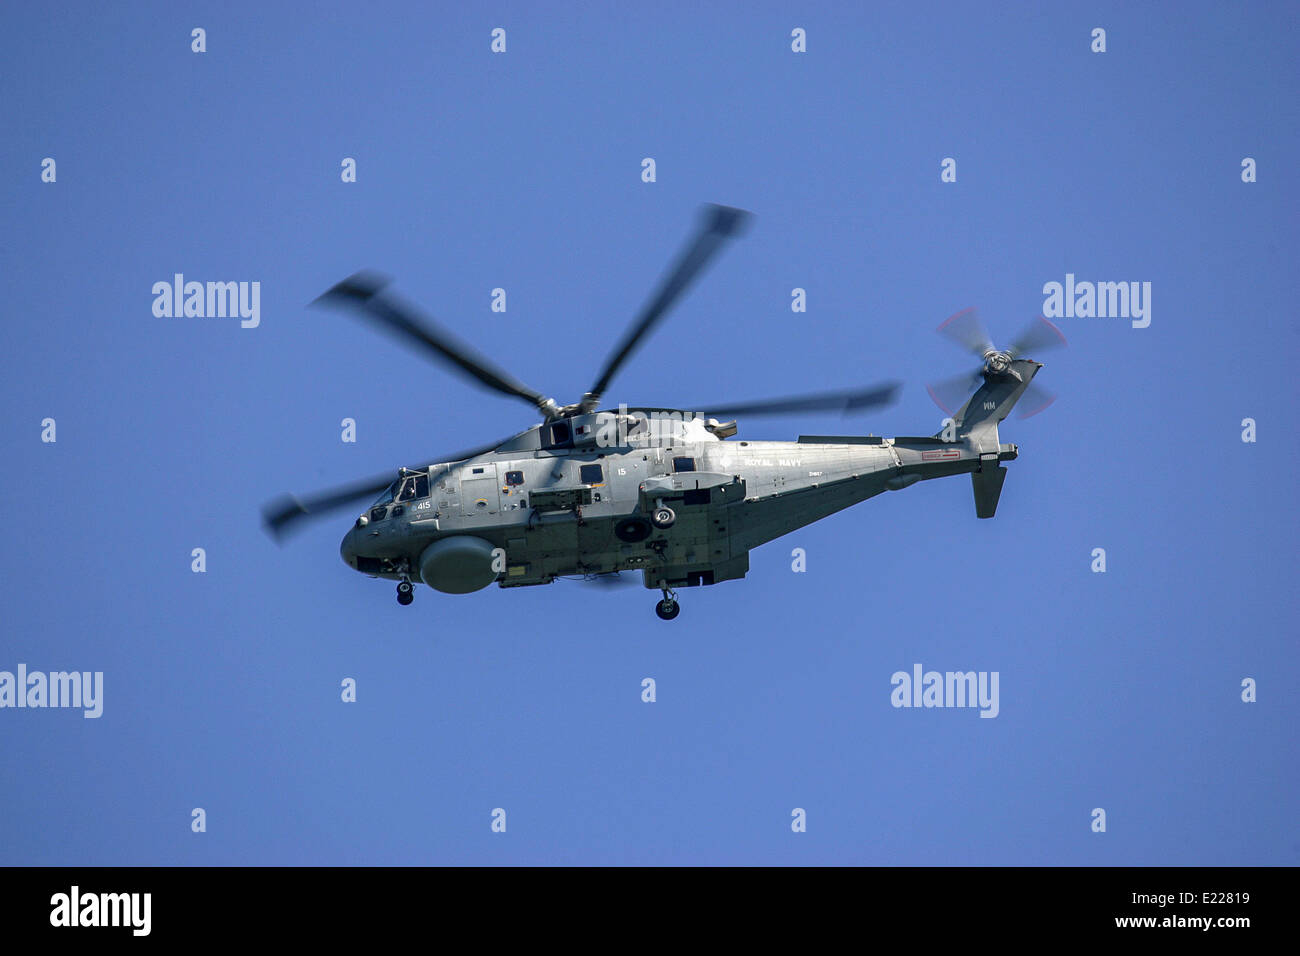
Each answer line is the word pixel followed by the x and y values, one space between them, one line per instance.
pixel 405 593
pixel 668 608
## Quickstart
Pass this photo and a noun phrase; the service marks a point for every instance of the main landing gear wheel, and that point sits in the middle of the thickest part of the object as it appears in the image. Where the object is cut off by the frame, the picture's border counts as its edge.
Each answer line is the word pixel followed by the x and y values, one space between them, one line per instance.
pixel 667 609
pixel 405 593
pixel 663 518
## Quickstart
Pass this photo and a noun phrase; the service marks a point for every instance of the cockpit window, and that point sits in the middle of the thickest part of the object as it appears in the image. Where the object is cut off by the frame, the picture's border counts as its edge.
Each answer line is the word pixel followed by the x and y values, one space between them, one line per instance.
pixel 387 496
pixel 416 486
pixel 683 464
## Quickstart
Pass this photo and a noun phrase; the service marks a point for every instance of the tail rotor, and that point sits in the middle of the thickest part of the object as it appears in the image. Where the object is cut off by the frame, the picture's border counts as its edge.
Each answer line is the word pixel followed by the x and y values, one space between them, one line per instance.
pixel 966 329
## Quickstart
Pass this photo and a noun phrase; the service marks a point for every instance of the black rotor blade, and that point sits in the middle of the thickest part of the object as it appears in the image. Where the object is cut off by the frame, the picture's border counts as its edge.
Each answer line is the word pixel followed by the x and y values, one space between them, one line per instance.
pixel 1039 336
pixel 720 223
pixel 952 393
pixel 283 514
pixel 844 400
pixel 364 290
pixel 287 512
pixel 966 329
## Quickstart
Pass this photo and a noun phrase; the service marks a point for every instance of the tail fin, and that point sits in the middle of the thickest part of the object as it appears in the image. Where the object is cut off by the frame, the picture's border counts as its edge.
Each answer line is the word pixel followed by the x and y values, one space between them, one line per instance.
pixel 977 424
pixel 977 421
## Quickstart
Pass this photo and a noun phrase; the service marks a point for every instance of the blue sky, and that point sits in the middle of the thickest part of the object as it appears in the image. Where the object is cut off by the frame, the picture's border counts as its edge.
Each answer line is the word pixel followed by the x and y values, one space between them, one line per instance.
pixel 222 690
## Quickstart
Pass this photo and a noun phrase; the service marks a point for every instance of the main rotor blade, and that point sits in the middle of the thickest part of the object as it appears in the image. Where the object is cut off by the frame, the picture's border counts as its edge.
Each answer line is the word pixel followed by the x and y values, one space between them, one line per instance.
pixel 844 400
pixel 287 512
pixel 364 290
pixel 720 223
pixel 283 514
pixel 966 329
pixel 1039 336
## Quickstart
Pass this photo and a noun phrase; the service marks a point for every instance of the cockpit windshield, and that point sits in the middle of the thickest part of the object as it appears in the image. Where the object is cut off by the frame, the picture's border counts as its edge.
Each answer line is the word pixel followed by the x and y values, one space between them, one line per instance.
pixel 388 494
pixel 406 488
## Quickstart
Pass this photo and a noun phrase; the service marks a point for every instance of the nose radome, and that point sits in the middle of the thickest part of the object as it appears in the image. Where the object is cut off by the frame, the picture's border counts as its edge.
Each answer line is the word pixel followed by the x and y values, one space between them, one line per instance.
pixel 348 548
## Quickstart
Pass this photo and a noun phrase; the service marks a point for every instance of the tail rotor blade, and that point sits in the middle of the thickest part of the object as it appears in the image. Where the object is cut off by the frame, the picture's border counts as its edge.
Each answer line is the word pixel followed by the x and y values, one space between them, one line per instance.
pixel 966 329
pixel 1034 400
pixel 952 393
pixel 1039 336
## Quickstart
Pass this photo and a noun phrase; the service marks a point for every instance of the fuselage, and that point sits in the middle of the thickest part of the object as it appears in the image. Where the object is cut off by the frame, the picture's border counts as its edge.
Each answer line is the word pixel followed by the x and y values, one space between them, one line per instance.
pixel 575 500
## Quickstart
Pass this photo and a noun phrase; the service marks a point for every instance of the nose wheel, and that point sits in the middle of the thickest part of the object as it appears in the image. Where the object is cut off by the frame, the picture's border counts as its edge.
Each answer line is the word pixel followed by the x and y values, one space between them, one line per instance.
pixel 668 608
pixel 405 593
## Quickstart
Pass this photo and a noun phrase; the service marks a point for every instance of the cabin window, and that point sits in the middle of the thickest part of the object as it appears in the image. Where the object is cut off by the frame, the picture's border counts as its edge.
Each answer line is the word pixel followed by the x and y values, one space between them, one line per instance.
pixel 560 435
pixel 514 477
pixel 683 464
pixel 591 474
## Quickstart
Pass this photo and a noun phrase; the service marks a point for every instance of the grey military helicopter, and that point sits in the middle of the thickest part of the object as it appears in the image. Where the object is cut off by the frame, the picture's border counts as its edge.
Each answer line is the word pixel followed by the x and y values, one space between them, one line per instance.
pixel 592 492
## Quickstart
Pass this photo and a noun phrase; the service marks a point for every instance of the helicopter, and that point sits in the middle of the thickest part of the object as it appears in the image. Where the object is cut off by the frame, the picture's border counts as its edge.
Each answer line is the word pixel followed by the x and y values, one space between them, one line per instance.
pixel 593 492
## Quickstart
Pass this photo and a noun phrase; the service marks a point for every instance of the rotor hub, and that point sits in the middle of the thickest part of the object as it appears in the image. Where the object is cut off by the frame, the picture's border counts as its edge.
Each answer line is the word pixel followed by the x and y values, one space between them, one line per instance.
pixel 997 362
